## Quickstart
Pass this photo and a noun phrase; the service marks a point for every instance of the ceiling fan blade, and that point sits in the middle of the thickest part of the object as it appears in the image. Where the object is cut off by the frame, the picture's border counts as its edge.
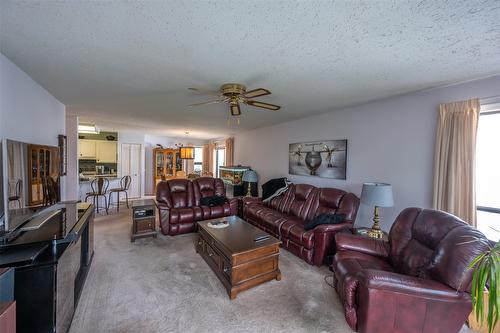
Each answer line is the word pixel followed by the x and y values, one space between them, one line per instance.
pixel 264 105
pixel 235 109
pixel 205 91
pixel 257 93
pixel 209 102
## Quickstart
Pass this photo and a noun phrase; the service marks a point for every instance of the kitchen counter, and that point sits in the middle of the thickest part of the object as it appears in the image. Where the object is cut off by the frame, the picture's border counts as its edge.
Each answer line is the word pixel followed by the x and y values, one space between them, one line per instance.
pixel 91 177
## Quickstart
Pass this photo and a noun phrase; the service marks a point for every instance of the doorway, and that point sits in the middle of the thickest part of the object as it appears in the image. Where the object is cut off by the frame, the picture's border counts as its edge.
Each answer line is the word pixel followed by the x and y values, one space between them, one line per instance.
pixel 131 165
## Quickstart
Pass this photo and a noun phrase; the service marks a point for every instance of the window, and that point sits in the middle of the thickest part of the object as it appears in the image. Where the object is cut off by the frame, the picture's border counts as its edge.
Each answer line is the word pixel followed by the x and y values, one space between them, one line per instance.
pixel 220 158
pixel 488 173
pixel 198 159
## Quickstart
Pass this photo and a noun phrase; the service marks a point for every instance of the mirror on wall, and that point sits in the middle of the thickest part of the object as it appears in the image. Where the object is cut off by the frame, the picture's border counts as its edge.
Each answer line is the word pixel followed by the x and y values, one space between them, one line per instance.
pixel 31 180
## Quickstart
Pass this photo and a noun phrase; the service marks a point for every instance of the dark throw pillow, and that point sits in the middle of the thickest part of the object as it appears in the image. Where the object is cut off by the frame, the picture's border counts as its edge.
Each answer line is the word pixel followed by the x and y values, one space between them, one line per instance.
pixel 273 188
pixel 325 219
pixel 216 200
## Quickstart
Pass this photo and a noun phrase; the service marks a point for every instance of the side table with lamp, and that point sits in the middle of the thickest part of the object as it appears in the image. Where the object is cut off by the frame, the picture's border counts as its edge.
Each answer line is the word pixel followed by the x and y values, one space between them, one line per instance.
pixel 376 195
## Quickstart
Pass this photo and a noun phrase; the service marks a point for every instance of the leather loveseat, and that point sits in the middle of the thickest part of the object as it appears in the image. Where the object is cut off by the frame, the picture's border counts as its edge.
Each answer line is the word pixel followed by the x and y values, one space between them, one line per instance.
pixel 418 281
pixel 284 217
pixel 179 204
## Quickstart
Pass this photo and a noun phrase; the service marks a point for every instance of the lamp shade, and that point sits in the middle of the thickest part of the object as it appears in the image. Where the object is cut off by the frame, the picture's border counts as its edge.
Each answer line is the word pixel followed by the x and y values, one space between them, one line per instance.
pixel 186 153
pixel 377 194
pixel 250 176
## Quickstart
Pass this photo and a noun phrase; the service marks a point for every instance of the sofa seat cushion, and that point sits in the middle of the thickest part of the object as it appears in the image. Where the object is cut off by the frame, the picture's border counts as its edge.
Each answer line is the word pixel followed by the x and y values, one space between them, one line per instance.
pixel 293 229
pixel 272 220
pixel 253 212
pixel 215 211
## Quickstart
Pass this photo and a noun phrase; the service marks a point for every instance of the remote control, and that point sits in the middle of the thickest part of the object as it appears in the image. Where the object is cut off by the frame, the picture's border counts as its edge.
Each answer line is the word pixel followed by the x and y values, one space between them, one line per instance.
pixel 261 238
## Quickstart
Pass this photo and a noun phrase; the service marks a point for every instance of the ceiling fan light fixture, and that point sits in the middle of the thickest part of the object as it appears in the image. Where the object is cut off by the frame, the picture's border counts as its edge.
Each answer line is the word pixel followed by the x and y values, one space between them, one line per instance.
pixel 235 109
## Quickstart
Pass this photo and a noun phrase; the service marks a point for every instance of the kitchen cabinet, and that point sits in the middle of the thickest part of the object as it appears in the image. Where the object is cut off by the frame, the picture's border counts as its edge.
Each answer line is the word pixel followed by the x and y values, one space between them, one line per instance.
pixel 99 150
pixel 106 151
pixel 87 149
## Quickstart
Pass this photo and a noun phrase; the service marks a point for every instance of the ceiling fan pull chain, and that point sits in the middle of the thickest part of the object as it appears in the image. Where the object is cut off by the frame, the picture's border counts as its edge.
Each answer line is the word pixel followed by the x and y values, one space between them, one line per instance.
pixel 238 120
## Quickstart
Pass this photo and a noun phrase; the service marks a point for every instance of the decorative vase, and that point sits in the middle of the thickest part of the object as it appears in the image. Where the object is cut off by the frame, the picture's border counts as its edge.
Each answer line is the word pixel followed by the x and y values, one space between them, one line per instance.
pixel 313 161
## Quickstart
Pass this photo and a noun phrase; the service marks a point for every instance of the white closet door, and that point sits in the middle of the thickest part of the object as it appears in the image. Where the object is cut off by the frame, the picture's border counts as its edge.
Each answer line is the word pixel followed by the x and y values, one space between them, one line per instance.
pixel 131 165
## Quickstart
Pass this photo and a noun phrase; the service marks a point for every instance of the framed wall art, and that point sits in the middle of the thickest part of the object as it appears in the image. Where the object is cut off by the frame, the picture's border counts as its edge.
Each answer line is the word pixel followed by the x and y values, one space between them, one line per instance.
pixel 325 159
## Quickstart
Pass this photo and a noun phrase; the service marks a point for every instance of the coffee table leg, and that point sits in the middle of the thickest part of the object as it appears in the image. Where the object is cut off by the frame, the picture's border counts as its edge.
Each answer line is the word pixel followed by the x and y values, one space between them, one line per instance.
pixel 278 276
pixel 232 294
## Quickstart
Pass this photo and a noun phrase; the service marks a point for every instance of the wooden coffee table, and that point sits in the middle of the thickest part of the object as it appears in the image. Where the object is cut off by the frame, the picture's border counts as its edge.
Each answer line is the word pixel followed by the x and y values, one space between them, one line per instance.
pixel 238 261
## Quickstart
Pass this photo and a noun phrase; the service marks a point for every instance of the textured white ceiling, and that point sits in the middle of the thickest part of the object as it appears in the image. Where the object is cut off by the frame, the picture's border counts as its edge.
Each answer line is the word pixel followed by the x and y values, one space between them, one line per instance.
pixel 130 63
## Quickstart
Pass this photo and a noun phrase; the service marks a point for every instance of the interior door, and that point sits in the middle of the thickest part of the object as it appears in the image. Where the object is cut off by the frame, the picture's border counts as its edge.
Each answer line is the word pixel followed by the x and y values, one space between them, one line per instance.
pixel 131 165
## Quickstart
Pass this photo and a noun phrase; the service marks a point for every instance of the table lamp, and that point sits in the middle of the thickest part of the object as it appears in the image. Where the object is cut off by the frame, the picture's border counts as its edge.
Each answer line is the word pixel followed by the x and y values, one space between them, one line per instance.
pixel 250 176
pixel 377 195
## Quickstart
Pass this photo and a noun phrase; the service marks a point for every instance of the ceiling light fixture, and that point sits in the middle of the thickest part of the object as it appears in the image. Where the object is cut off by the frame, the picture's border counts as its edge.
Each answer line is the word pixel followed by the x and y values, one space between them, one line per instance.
pixel 88 129
pixel 186 153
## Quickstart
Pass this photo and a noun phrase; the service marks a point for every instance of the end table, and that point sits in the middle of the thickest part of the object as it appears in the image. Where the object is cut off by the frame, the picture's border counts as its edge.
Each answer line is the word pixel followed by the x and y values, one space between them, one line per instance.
pixel 143 219
pixel 363 232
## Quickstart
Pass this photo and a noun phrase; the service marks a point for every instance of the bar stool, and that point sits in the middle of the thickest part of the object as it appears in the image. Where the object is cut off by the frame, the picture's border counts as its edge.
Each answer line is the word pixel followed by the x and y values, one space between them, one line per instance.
pixel 99 188
pixel 124 186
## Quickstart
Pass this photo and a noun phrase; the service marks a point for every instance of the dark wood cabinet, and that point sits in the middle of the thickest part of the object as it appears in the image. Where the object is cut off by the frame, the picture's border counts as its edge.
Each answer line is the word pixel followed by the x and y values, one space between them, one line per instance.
pixel 47 285
pixel 143 219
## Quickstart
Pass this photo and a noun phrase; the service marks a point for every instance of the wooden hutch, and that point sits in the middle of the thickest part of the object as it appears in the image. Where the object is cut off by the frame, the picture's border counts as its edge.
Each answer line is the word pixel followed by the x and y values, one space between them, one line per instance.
pixel 43 164
pixel 166 162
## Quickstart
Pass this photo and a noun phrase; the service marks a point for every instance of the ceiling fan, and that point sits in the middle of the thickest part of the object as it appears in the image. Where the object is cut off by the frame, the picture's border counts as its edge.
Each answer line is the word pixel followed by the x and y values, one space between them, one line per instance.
pixel 234 94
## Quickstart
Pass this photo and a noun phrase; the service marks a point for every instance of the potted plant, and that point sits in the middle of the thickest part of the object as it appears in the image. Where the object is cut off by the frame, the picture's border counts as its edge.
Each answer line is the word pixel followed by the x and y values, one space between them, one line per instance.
pixel 485 289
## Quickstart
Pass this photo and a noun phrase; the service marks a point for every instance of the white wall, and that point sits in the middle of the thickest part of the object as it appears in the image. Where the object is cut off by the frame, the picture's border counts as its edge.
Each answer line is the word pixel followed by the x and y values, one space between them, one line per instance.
pixel 391 141
pixel 150 143
pixel 72 157
pixel 28 112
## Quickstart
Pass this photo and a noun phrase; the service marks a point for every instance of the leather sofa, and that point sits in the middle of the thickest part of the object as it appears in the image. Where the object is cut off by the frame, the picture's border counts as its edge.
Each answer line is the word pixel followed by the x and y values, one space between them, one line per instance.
pixel 284 217
pixel 179 206
pixel 418 281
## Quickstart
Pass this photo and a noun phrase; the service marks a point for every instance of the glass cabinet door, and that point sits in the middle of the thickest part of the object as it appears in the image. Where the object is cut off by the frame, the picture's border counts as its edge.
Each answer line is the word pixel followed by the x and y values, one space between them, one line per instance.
pixel 169 164
pixel 178 161
pixel 160 165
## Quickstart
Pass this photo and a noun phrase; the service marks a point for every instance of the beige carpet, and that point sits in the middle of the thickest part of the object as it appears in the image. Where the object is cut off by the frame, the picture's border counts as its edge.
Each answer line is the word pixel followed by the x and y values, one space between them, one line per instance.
pixel 162 285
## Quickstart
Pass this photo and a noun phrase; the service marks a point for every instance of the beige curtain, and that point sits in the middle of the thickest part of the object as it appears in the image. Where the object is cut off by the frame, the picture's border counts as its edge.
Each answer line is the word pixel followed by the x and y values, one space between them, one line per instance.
pixel 229 143
pixel 208 157
pixel 454 171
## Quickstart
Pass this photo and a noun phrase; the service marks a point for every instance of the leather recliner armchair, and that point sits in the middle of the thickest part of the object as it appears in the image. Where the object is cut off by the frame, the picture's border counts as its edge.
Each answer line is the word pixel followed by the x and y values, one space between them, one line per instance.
pixel 418 281
pixel 179 203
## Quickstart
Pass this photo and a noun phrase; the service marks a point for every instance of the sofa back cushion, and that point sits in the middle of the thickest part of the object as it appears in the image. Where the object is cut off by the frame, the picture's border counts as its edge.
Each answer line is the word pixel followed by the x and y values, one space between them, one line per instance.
pixel 326 201
pixel 431 244
pixel 279 202
pixel 300 201
pixel 175 193
pixel 207 187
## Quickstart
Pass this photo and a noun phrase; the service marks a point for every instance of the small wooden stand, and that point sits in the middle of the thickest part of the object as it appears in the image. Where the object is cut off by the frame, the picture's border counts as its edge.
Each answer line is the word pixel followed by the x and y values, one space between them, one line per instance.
pixel 143 219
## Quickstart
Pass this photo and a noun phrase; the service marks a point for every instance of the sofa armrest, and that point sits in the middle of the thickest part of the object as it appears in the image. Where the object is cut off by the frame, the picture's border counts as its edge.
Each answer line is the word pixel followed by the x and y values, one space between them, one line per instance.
pixel 162 205
pixel 322 228
pixel 251 200
pixel 373 247
pixel 233 205
pixel 409 285
pixel 324 242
